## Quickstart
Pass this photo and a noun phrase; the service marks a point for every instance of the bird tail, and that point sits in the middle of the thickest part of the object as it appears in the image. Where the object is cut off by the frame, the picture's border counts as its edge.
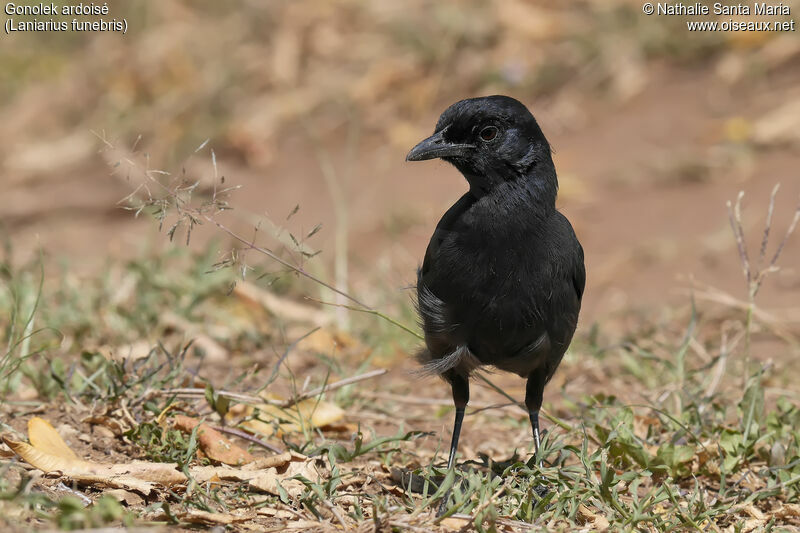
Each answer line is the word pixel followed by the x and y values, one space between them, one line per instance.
pixel 460 358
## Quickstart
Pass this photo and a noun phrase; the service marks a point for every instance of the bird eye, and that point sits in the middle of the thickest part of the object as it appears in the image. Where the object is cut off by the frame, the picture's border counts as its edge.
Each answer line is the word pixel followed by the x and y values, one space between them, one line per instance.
pixel 488 133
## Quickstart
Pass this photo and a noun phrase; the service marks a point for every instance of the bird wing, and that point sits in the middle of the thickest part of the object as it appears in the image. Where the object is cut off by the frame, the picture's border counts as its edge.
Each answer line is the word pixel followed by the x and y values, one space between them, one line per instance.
pixel 579 274
pixel 444 227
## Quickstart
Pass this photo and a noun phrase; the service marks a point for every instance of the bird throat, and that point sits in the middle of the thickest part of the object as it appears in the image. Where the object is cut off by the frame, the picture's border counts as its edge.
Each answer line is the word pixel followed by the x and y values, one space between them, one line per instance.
pixel 538 190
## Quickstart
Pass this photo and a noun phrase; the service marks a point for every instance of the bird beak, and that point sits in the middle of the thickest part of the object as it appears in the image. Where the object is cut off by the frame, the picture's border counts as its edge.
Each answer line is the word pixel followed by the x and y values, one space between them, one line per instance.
pixel 436 146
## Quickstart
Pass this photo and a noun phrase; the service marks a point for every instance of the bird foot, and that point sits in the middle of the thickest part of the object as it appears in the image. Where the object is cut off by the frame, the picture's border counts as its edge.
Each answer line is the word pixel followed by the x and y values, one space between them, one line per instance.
pixel 541 491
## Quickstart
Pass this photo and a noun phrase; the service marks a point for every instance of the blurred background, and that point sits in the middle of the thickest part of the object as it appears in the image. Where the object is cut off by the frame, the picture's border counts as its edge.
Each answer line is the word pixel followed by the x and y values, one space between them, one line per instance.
pixel 314 103
pixel 304 111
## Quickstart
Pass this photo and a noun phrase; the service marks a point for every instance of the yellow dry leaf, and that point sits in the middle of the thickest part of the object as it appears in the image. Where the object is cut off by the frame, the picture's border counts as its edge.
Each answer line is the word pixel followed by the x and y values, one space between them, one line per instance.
pixel 49 453
pixel 45 462
pixel 46 439
pixel 79 470
pixel 307 413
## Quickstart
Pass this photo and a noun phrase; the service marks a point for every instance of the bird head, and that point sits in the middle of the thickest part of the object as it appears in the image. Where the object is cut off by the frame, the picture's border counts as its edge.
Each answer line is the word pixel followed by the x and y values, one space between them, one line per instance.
pixel 490 140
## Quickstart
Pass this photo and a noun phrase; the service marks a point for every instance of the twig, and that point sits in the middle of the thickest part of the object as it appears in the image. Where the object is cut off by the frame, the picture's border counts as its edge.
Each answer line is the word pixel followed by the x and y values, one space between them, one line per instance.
pixel 192 392
pixel 247 436
pixel 333 386
pixel 249 399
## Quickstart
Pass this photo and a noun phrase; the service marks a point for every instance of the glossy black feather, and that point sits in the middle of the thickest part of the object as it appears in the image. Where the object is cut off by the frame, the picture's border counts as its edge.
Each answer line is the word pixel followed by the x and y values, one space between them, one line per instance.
pixel 503 276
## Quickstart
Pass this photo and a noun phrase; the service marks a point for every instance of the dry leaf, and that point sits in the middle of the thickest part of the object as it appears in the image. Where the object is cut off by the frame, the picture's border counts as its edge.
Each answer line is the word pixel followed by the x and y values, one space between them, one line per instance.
pixel 165 474
pixel 246 472
pixel 307 413
pixel 269 480
pixel 46 439
pixel 265 474
pixel 51 454
pixel 216 447
pixel 44 461
pixel 196 516
pixel 273 461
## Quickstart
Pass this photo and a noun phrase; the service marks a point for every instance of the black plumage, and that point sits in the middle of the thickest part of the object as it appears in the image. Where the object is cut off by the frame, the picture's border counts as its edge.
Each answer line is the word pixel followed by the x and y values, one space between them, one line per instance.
pixel 503 276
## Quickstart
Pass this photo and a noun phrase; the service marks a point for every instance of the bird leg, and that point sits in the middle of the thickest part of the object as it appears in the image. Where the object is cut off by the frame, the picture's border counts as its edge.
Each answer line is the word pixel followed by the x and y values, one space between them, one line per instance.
pixel 534 416
pixel 460 385
pixel 454 440
pixel 534 393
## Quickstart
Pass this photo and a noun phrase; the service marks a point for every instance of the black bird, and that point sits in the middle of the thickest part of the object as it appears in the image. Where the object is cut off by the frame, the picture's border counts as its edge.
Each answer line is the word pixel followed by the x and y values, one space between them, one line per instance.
pixel 503 275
